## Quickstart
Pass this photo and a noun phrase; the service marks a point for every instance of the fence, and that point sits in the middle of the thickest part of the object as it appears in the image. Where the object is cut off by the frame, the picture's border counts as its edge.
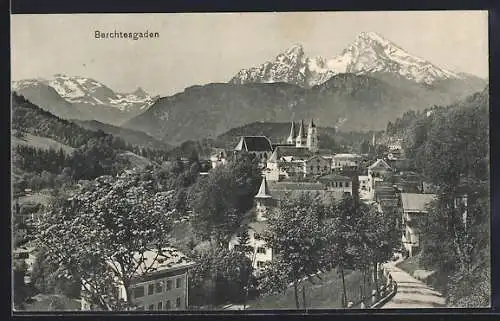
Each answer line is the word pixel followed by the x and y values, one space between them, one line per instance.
pixel 377 298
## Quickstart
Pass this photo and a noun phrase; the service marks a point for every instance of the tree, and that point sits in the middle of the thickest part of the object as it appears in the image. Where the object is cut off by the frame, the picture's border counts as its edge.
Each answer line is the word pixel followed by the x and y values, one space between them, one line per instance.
pixel 221 200
pixel 296 235
pixel 219 276
pixel 244 241
pixel 100 235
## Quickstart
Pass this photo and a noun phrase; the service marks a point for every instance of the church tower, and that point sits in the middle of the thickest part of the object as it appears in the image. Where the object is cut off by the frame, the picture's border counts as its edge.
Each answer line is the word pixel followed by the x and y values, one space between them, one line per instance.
pixel 291 137
pixel 263 200
pixel 312 137
pixel 301 140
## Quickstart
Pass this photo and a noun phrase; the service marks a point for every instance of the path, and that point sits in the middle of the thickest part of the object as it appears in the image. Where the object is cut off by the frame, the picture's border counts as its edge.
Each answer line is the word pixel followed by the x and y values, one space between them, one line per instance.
pixel 411 293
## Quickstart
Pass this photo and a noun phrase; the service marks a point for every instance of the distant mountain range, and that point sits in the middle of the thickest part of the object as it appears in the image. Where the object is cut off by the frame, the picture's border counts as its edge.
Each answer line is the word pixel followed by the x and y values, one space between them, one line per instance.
pixel 368 54
pixel 83 98
pixel 369 83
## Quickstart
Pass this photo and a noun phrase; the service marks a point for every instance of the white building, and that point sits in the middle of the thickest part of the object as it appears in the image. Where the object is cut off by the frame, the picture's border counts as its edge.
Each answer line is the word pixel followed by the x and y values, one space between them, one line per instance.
pixel 339 161
pixel 260 252
pixel 160 282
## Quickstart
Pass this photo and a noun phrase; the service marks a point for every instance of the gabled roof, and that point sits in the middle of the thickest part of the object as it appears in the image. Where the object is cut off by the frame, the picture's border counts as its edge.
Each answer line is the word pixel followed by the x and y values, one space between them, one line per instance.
pixel 254 144
pixel 166 258
pixel 379 163
pixel 334 177
pixel 413 202
pixel 317 156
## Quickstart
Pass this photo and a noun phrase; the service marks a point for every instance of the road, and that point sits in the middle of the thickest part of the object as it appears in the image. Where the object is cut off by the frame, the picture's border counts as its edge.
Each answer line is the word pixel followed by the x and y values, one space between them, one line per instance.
pixel 411 293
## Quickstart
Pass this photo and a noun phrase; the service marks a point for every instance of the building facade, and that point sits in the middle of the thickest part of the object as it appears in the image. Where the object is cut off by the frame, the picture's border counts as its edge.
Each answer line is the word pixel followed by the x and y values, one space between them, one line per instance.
pixel 413 208
pixel 164 288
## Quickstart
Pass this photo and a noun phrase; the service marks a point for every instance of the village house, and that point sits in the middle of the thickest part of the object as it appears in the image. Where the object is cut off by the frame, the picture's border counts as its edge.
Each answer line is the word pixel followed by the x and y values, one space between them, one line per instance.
pixel 317 165
pixel 337 183
pixel 413 208
pixel 164 288
pixel 341 161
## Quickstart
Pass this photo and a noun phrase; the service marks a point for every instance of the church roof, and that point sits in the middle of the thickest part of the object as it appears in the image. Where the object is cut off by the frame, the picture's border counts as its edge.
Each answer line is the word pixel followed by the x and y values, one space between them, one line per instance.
pixel 254 144
pixel 295 152
pixel 263 190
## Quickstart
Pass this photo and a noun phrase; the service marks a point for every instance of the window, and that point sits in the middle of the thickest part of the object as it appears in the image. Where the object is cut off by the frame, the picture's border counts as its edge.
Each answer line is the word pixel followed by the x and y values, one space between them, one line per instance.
pixel 340 184
pixel 160 306
pixel 138 292
pixel 178 302
pixel 318 167
pixel 169 284
pixel 159 287
pixel 260 264
pixel 168 305
pixel 261 250
pixel 151 289
pixel 312 168
pixel 151 307
pixel 347 194
pixel 346 184
pixel 178 282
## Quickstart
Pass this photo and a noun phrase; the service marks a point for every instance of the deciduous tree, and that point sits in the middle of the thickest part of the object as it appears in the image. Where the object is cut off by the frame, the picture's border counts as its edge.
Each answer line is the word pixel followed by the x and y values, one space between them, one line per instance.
pixel 97 235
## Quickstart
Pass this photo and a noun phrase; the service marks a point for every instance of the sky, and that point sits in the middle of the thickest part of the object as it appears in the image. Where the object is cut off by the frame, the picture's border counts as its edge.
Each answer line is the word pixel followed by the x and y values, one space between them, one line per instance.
pixel 200 48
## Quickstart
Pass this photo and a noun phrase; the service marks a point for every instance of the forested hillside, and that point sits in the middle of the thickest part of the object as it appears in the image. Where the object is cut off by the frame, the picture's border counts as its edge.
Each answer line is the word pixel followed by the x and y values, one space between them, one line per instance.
pixel 90 154
pixel 449 146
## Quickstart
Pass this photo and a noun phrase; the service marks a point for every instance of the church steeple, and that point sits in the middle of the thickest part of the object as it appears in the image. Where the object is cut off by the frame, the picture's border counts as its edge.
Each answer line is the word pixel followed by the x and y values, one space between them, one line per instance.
pixel 291 137
pixel 263 190
pixel 301 136
pixel 263 200
pixel 312 137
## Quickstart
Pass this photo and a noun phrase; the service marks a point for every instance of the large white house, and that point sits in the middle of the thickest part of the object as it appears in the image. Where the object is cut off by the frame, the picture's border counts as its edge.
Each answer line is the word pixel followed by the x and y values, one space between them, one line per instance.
pixel 160 283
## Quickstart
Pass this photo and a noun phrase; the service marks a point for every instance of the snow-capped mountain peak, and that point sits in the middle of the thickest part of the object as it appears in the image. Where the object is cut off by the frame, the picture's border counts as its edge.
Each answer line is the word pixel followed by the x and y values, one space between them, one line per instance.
pixel 83 90
pixel 369 53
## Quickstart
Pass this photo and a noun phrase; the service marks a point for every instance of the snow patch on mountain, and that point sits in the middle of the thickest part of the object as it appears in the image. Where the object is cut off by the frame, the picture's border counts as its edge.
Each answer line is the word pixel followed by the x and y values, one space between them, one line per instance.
pixel 369 53
pixel 82 90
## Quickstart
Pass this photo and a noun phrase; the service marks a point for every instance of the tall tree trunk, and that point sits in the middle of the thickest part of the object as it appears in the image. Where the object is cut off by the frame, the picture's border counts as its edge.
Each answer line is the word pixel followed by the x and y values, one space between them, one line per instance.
pixel 295 290
pixel 343 286
pixel 304 296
